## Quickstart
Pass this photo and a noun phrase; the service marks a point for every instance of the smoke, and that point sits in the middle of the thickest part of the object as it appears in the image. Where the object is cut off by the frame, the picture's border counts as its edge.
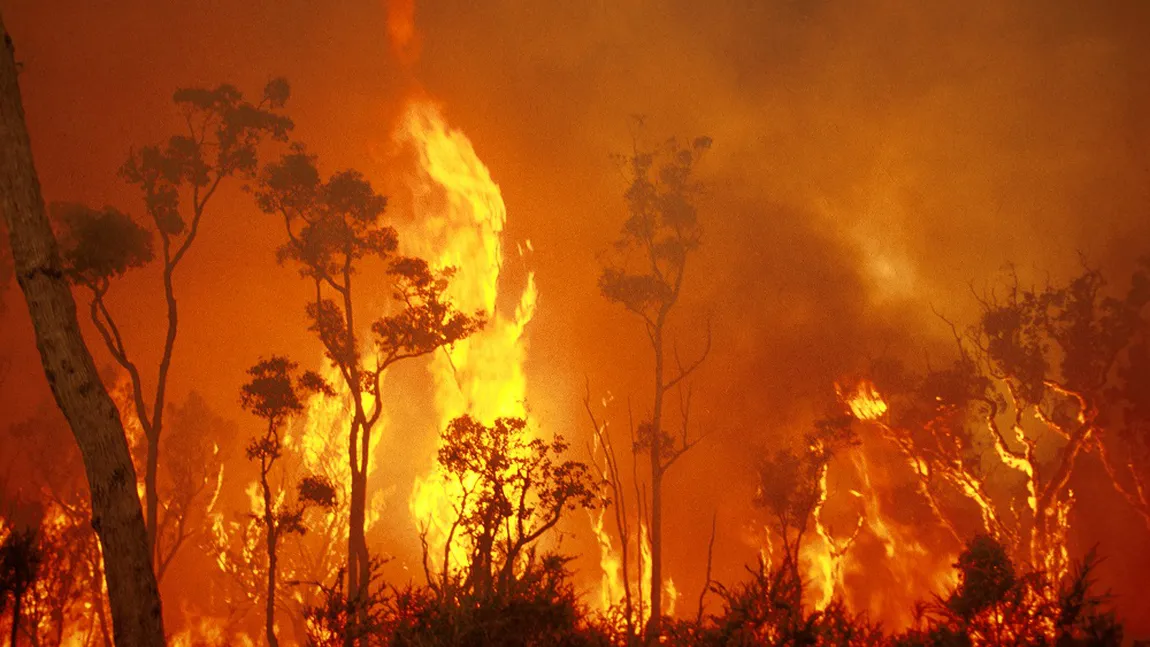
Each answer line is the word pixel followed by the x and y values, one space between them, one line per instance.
pixel 871 159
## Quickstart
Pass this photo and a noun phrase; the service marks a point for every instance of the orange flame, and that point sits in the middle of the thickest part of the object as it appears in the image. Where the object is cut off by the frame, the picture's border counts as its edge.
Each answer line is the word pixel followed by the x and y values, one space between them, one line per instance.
pixel 865 403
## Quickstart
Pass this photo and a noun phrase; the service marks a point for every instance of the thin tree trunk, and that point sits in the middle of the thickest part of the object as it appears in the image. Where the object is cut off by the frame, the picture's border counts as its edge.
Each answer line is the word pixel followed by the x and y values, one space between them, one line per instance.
pixel 358 562
pixel 271 605
pixel 151 496
pixel 151 487
pixel 355 537
pixel 75 383
pixel 654 625
pixel 18 598
pixel 273 532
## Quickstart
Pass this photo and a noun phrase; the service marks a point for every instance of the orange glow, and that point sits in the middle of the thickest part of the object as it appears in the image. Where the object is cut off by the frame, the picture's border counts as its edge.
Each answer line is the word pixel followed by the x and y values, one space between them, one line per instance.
pixel 401 32
pixel 865 172
pixel 865 402
pixel 461 217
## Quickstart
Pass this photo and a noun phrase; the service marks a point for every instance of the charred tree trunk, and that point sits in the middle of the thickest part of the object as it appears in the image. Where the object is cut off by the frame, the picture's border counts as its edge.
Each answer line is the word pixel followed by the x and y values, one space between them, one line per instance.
pixel 17 603
pixel 75 383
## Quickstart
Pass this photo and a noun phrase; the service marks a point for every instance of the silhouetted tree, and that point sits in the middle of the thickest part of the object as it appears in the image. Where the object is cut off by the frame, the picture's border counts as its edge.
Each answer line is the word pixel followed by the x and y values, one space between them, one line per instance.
pixel 178 180
pixel 196 443
pixel 332 227
pixel 765 610
pixel 20 560
pixel 660 234
pixel 70 589
pixel 75 383
pixel 340 618
pixel 793 489
pixel 275 393
pixel 996 605
pixel 1037 382
pixel 514 489
pixel 59 600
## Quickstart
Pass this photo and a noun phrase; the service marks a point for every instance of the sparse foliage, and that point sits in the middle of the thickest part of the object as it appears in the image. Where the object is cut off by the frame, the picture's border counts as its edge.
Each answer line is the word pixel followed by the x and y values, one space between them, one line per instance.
pixel 1038 382
pixel 645 276
pixel 275 392
pixel 333 227
pixel 792 488
pixel 222 136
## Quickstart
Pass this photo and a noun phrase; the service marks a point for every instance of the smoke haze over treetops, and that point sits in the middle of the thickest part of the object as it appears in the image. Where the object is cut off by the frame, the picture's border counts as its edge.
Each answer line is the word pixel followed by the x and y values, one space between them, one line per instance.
pixel 872 160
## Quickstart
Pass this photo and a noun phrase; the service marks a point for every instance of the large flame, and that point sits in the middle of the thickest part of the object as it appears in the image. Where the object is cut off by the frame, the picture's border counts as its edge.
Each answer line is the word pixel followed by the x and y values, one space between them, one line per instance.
pixel 865 402
pixel 461 216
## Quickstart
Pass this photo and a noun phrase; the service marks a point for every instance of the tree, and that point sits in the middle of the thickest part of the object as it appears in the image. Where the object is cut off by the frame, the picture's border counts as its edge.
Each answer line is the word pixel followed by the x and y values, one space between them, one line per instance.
pixel 192 457
pixel 20 559
pixel 275 393
pixel 660 234
pixel 333 227
pixel 72 376
pixel 57 597
pixel 995 604
pixel 1045 375
pixel 178 179
pixel 793 489
pixel 70 589
pixel 513 491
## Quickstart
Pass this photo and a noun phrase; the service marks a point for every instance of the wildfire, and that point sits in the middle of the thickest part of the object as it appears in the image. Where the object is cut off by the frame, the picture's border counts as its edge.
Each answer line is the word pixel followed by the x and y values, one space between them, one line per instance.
pixel 461 220
pixel 611 585
pixel 209 632
pixel 865 403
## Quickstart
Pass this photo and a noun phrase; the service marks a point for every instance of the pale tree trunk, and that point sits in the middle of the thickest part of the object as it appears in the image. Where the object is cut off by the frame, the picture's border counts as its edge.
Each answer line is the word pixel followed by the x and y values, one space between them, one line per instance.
pixel 71 373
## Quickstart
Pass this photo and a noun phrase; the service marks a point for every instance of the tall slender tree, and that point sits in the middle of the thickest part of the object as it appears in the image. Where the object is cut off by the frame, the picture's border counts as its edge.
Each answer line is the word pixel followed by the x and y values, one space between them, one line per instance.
pixel 275 393
pixel 333 227
pixel 72 376
pixel 660 234
pixel 221 138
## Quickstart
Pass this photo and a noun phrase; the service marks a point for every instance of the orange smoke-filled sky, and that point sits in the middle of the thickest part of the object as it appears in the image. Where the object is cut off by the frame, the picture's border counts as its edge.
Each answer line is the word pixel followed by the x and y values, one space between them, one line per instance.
pixel 871 159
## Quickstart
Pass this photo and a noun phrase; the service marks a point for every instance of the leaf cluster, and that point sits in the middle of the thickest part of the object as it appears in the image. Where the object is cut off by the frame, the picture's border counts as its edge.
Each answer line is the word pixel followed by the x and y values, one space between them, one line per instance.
pixel 661 229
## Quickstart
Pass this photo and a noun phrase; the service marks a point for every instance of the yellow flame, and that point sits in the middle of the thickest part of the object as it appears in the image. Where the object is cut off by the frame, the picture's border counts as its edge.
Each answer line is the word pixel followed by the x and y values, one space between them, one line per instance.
pixel 923 571
pixel 645 581
pixel 670 596
pixel 865 402
pixel 461 220
pixel 611 584
pixel 210 632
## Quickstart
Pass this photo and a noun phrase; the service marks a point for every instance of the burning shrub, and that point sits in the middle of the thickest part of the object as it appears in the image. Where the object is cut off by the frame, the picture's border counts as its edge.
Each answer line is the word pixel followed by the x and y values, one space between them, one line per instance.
pixel 340 619
pixel 992 605
pixel 538 608
pixel 767 610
